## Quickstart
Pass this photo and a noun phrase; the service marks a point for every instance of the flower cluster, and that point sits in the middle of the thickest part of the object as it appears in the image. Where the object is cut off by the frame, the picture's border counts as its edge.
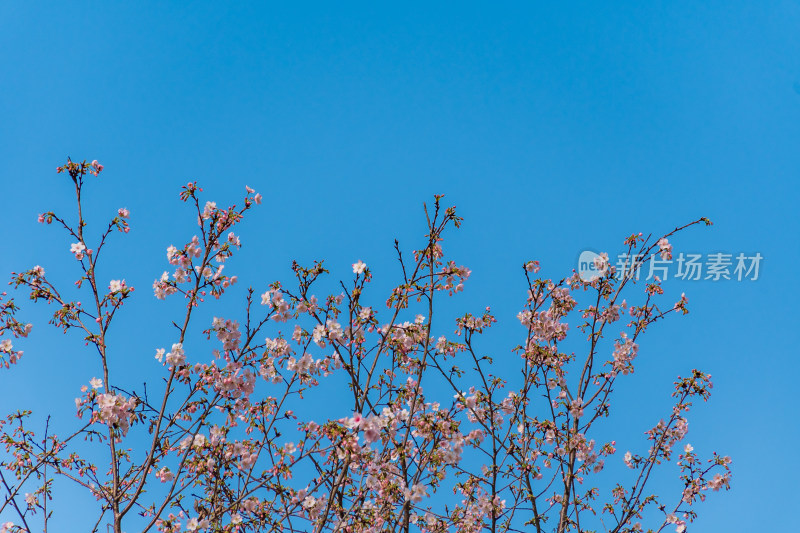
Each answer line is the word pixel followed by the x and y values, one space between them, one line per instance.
pixel 115 410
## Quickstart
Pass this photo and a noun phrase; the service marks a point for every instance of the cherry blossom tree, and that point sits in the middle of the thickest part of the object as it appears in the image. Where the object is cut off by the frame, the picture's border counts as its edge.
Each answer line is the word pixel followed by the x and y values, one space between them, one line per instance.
pixel 227 442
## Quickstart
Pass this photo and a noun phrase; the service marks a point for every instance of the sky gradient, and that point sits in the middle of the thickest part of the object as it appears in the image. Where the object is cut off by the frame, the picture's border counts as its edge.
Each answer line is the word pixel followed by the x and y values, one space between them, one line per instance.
pixel 554 129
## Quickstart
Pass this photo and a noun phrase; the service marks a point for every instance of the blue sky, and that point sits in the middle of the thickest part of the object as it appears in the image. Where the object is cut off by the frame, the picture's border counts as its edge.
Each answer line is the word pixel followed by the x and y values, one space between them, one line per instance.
pixel 553 128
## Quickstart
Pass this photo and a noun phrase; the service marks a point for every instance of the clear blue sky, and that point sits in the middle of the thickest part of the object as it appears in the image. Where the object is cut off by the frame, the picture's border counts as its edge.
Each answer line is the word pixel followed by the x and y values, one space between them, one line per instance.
pixel 553 129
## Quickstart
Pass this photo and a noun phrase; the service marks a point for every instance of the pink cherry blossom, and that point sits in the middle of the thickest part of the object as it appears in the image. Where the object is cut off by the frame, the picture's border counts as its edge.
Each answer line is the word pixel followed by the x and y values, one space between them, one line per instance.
pixel 532 266
pixel 359 267
pixel 665 249
pixel 176 356
pixel 78 249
